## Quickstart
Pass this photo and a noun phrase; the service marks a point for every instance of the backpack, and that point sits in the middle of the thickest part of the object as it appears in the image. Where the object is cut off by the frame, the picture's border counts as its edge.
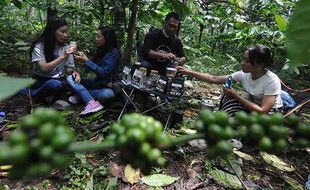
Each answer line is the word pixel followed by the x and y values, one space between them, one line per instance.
pixel 288 101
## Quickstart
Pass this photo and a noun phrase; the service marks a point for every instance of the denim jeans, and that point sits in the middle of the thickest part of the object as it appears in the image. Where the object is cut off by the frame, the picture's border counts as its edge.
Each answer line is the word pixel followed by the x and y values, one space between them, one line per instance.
pixel 44 87
pixel 86 90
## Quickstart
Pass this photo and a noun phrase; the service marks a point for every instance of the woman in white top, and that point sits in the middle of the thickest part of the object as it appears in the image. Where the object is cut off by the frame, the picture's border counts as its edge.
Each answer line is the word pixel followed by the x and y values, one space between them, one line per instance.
pixel 52 59
pixel 261 87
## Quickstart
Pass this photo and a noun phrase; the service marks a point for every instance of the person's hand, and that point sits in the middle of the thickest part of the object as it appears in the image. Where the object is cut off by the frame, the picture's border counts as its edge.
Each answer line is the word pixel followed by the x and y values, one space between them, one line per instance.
pixel 230 92
pixel 67 52
pixel 76 76
pixel 81 57
pixel 183 70
pixel 169 56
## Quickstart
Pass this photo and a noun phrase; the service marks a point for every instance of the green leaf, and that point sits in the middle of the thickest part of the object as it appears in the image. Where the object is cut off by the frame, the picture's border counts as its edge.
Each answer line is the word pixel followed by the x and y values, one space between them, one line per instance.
pixel 293 183
pixel 281 22
pixel 236 166
pixel 276 162
pixel 158 180
pixel 298 38
pixel 90 183
pixel 112 183
pixel 13 126
pixel 92 118
pixel 10 85
pixel 226 179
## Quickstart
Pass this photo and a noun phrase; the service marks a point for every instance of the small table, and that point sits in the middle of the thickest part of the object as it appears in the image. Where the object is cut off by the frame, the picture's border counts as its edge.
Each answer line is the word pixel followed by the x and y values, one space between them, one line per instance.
pixel 164 100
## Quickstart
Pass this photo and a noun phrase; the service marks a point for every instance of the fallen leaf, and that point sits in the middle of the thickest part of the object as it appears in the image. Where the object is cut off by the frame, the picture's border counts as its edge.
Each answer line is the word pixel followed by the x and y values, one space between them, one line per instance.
pixel 244 155
pixel 226 179
pixel 115 170
pixel 131 174
pixel 276 162
pixel 293 183
pixel 158 180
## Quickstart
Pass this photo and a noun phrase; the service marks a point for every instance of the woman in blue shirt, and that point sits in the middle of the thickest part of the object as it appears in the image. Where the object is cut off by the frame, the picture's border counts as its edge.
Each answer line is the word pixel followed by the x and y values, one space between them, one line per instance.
pixel 105 64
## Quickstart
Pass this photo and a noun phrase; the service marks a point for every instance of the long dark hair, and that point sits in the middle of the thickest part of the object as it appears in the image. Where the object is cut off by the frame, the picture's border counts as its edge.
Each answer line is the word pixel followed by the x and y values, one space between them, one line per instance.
pixel 260 54
pixel 48 37
pixel 110 43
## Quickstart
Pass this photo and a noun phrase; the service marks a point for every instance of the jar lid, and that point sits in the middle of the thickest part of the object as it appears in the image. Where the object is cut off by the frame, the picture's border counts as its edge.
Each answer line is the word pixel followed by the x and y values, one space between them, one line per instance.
pixel 2 114
pixel 143 68
pixel 137 63
pixel 171 69
pixel 154 71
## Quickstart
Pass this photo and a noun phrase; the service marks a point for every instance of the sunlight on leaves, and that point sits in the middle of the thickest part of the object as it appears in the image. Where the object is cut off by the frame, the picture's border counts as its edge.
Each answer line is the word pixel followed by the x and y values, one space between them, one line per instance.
pixel 281 22
pixel 10 85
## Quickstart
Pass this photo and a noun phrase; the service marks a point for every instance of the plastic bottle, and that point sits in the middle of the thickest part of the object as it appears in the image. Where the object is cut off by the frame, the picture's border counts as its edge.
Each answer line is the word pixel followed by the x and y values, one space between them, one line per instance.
pixel 2 117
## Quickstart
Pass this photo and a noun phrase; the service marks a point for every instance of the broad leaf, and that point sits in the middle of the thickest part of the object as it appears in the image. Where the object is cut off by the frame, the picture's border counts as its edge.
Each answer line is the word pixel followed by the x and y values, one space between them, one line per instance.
pixel 10 85
pixel 226 179
pixel 276 162
pixel 90 183
pixel 236 166
pixel 112 183
pixel 298 38
pixel 293 183
pixel 158 180
pixel 281 22
pixel 131 174
pixel 243 155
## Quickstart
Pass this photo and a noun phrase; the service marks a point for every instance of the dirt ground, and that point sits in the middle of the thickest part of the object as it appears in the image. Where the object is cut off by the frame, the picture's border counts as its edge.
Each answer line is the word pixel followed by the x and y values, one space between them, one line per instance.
pixel 188 162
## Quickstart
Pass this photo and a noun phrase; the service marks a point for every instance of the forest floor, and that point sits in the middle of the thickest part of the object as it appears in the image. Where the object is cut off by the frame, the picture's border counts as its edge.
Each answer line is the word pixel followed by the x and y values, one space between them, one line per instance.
pixel 187 162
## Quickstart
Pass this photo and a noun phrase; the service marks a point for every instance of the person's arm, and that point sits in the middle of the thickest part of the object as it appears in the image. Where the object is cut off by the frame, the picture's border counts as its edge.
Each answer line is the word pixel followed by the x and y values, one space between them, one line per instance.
pixel 106 65
pixel 39 58
pixel 181 60
pixel 203 76
pixel 76 75
pixel 149 53
pixel 44 66
pixel 161 55
pixel 267 101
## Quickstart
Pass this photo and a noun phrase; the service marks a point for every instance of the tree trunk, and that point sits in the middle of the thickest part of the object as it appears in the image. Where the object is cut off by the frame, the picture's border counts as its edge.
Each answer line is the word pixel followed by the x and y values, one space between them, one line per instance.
pixel 118 25
pixel 102 10
pixel 51 10
pixel 131 30
pixel 31 14
pixel 201 27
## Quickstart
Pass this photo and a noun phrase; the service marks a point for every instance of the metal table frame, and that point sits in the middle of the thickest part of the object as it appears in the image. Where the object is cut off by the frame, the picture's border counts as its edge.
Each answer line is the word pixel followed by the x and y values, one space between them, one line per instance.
pixel 129 100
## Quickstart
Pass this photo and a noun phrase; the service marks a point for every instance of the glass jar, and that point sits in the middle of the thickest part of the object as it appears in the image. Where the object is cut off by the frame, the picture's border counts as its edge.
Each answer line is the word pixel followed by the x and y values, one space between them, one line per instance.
pixel 152 81
pixel 138 77
pixel 126 75
pixel 170 71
